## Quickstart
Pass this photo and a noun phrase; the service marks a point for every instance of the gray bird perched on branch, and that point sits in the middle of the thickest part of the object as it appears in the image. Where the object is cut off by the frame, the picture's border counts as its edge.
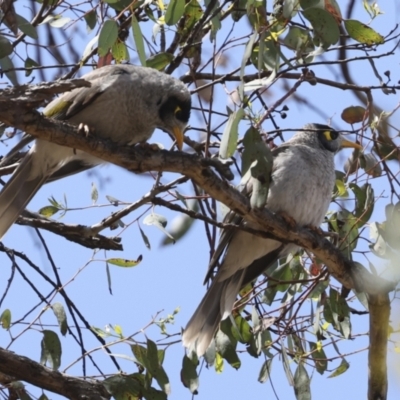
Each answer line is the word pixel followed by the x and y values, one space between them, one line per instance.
pixel 302 180
pixel 125 103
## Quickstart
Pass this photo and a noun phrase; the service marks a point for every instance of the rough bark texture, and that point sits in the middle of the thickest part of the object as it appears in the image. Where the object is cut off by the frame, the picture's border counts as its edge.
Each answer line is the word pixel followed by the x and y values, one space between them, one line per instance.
pixel 22 368
pixel 379 313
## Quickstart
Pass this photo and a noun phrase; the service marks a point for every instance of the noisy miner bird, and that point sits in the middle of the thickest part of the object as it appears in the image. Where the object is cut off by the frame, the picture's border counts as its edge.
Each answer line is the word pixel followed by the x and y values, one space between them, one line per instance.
pixel 125 103
pixel 303 176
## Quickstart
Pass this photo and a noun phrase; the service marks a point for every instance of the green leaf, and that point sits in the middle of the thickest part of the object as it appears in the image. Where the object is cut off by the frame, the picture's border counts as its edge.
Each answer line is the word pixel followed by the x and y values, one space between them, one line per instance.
pixel 5 47
pixel 302 388
pixel 51 349
pixel 345 224
pixel 309 3
pixel 119 51
pixel 91 20
pixel 241 330
pixel 238 9
pixel 343 367
pixel 120 262
pixel 5 319
pixel 290 8
pixel 26 27
pixel 108 36
pixel 230 136
pixel 362 33
pixel 299 40
pixel 48 211
pixel 138 39
pixel 145 238
pixel 29 63
pixel 281 275
pixel 61 316
pixel 219 363
pixel 7 66
pixel 140 354
pixel 159 61
pixel 265 371
pixel 124 387
pixel 364 202
pixel 226 349
pixel 247 54
pixel 100 332
pixel 189 376
pixel 319 356
pixel 286 366
pixel 326 30
pixel 193 12
pixel 152 357
pixel 155 368
pixel 174 11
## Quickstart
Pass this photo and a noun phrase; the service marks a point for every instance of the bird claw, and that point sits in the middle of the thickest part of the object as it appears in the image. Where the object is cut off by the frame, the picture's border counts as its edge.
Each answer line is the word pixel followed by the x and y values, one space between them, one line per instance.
pixel 316 229
pixel 289 220
pixel 85 130
pixel 149 146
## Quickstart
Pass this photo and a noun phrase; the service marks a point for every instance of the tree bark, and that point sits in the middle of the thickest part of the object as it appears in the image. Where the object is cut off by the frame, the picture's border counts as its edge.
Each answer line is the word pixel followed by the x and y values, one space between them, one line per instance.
pixel 23 368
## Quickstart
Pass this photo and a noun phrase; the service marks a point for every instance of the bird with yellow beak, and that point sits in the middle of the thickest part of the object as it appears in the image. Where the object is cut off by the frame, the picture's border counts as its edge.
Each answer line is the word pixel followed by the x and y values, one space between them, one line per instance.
pixel 125 103
pixel 301 184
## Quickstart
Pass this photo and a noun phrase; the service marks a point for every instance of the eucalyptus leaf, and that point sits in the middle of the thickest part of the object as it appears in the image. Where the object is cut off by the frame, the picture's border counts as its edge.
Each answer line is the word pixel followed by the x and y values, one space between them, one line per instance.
pixel 326 30
pixel 230 136
pixel 107 37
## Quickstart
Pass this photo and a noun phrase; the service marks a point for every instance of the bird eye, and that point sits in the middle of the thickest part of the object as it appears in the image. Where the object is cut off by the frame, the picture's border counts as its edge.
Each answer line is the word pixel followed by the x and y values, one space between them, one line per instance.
pixel 331 135
pixel 178 112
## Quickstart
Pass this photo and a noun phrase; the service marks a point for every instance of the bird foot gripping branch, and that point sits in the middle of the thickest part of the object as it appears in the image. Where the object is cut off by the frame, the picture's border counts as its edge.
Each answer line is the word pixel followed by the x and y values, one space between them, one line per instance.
pixel 124 103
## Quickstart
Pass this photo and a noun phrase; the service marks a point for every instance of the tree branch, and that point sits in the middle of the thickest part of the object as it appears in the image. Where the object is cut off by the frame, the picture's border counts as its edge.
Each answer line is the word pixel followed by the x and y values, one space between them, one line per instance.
pixel 379 310
pixel 30 371
pixel 351 275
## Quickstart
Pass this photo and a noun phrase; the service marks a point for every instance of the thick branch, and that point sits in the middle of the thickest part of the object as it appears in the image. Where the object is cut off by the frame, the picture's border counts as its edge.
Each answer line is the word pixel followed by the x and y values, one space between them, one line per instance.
pixel 34 373
pixel 379 310
pixel 195 167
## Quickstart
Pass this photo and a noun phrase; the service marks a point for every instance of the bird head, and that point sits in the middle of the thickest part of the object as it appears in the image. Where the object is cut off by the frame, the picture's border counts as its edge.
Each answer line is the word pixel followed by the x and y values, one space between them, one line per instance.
pixel 174 110
pixel 327 138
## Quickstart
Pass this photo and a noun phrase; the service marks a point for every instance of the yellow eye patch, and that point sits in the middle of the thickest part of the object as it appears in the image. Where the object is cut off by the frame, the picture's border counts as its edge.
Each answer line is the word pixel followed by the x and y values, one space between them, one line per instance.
pixel 177 109
pixel 330 135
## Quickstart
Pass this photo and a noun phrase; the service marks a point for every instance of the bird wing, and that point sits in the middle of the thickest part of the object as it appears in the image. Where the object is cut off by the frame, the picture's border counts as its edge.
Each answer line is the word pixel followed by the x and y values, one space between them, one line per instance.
pixel 233 218
pixel 70 103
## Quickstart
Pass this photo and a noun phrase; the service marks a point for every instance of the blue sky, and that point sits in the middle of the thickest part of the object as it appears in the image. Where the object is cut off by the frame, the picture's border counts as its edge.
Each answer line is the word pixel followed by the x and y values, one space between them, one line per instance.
pixel 172 276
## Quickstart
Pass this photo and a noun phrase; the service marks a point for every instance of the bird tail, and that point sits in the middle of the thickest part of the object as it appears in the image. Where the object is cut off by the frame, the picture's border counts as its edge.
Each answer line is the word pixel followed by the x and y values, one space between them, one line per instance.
pixel 216 305
pixel 18 191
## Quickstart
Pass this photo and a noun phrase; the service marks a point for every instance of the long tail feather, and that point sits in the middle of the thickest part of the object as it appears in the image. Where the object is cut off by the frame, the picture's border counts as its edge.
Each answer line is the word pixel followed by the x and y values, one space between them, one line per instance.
pixel 216 304
pixel 17 193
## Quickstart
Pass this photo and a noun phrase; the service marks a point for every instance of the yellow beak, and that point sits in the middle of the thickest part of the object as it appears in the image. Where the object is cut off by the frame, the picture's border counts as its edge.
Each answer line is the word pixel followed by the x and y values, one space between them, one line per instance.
pixel 178 136
pixel 347 143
